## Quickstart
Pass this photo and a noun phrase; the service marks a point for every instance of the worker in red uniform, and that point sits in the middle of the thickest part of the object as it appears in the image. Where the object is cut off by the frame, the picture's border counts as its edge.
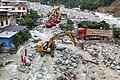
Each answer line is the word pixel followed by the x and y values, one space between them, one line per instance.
pixel 24 60
pixel 25 52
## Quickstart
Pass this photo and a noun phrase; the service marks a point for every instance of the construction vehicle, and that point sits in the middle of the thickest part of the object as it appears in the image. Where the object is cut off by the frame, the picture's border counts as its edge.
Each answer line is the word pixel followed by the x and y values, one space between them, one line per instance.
pixel 86 33
pixel 48 46
pixel 53 15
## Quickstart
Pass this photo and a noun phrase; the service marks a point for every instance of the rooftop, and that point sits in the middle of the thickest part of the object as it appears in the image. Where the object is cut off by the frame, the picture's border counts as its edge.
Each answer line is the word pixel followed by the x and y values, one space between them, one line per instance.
pixel 7 34
pixel 2 7
pixel 3 10
pixel 14 28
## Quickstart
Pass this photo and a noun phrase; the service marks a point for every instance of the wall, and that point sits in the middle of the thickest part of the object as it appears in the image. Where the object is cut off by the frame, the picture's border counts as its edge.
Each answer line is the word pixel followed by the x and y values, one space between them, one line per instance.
pixel 4 23
pixel 7 42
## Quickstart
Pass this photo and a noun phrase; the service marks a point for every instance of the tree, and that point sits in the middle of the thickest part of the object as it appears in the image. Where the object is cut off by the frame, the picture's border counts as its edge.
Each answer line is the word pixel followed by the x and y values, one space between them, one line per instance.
pixel 116 32
pixel 21 37
pixel 29 19
pixel 95 25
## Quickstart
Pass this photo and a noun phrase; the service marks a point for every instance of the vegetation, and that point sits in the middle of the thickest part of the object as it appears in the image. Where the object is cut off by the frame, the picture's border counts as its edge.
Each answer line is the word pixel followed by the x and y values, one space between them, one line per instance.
pixel 67 26
pixel 21 37
pixel 67 3
pixel 85 4
pixel 94 25
pixel 29 19
pixel 93 4
pixel 116 32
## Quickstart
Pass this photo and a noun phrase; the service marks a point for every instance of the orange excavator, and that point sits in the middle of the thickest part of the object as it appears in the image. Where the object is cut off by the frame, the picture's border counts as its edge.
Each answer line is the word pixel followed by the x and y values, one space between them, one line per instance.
pixel 54 15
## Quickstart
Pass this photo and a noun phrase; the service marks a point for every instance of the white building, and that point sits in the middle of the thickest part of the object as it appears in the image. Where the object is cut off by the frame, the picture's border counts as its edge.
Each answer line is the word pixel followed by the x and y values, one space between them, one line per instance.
pixel 4 18
pixel 15 6
pixel 7 10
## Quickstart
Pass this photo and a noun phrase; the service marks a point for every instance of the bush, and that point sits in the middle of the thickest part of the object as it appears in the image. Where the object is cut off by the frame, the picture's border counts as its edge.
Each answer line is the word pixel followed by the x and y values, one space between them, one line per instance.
pixel 94 25
pixel 29 19
pixel 21 37
pixel 116 32
pixel 67 26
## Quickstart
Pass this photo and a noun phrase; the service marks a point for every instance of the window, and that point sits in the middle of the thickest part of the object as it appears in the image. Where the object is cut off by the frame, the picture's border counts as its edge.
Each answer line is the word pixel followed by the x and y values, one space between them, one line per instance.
pixel 2 24
pixel 6 22
pixel 13 8
pixel 19 8
pixel 23 8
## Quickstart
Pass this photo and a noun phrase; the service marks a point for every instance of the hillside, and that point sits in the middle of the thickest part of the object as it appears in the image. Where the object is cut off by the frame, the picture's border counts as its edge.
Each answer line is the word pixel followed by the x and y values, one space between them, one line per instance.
pixel 105 6
pixel 113 8
pixel 67 3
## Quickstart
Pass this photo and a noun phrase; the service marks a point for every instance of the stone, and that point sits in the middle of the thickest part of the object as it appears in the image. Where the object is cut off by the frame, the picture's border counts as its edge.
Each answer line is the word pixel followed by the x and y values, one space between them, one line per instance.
pixel 62 68
pixel 39 76
pixel 15 78
pixel 118 67
pixel 67 61
pixel 74 64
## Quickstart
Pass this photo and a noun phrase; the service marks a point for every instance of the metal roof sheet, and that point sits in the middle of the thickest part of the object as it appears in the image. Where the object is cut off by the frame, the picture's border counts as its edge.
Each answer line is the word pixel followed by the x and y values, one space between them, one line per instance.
pixel 7 34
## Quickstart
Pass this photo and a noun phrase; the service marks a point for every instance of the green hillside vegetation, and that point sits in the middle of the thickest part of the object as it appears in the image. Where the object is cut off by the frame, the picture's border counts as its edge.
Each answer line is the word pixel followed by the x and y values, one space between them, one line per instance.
pixel 85 4
pixel 67 3
pixel 93 4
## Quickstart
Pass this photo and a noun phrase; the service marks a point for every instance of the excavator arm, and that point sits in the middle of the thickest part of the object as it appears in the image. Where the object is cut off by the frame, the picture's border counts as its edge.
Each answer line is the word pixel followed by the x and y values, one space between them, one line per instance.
pixel 56 37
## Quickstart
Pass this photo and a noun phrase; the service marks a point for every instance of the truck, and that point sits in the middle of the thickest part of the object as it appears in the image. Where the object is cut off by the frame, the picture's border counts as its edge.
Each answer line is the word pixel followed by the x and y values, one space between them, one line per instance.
pixel 86 33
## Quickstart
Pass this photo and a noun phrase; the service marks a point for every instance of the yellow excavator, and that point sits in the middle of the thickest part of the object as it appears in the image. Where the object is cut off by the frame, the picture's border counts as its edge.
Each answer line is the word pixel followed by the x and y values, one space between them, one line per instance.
pixel 48 46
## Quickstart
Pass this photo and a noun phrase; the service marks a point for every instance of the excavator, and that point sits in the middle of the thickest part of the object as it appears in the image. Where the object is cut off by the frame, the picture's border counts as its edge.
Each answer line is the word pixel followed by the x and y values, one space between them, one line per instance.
pixel 53 15
pixel 48 46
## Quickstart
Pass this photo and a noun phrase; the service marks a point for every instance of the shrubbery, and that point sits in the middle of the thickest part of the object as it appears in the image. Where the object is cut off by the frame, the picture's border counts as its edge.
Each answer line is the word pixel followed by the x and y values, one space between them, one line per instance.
pixel 67 3
pixel 94 25
pixel 93 4
pixel 116 32
pixel 67 26
pixel 21 37
pixel 29 19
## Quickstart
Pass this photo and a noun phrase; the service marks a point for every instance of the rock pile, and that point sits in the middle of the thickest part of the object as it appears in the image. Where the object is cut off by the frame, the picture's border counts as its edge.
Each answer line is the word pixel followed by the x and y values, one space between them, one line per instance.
pixel 65 63
pixel 106 53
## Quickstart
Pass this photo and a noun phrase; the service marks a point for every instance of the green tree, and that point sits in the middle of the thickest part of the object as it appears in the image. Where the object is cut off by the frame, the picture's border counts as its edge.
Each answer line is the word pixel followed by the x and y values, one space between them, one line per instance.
pixel 21 37
pixel 116 32
pixel 95 25
pixel 29 19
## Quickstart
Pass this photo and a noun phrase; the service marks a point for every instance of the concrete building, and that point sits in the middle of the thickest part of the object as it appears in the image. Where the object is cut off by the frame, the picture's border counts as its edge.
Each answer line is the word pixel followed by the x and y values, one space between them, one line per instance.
pixel 7 10
pixel 15 6
pixel 4 18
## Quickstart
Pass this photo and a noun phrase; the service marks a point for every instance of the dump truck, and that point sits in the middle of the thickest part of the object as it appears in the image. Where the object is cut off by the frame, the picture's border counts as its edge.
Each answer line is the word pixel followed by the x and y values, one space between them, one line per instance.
pixel 86 33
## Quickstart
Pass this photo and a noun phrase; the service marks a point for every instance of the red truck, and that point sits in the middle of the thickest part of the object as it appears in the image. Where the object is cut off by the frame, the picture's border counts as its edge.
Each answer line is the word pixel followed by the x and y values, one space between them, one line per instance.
pixel 86 33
